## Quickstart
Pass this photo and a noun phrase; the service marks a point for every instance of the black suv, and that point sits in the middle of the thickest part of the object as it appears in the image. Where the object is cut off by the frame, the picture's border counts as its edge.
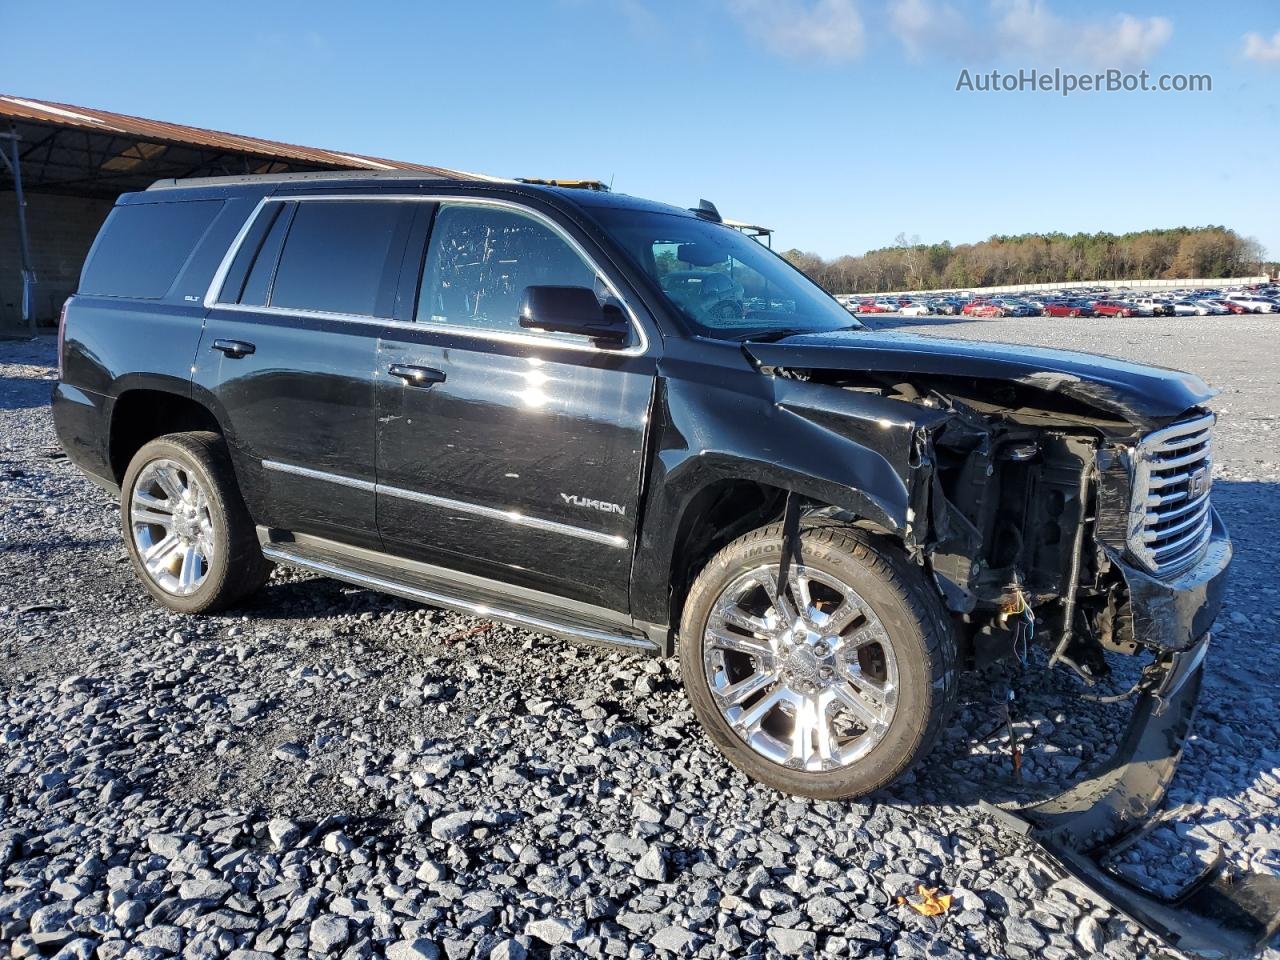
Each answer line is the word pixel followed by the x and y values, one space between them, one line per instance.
pixel 483 395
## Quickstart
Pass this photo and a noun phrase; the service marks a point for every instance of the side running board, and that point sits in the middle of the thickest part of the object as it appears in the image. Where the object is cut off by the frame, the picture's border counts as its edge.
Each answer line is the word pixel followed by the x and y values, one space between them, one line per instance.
pixel 292 555
pixel 1219 913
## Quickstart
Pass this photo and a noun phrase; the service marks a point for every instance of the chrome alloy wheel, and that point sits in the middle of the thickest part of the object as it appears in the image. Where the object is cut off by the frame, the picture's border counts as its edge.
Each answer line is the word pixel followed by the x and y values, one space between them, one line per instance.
pixel 172 527
pixel 808 679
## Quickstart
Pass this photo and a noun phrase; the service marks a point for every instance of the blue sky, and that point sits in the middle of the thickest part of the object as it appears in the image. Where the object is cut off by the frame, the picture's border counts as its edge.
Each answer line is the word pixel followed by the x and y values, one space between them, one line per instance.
pixel 836 122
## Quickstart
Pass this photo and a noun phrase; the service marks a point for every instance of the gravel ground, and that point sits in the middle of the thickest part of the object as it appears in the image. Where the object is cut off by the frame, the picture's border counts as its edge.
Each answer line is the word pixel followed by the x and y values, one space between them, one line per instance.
pixel 336 773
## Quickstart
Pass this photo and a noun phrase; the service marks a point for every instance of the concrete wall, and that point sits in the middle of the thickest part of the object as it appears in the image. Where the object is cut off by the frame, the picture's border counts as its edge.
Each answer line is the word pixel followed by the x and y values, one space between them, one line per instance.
pixel 61 230
pixel 1153 286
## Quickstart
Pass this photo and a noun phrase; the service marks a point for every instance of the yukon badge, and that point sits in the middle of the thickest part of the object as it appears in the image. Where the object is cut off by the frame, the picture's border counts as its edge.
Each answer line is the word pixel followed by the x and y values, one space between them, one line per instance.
pixel 576 501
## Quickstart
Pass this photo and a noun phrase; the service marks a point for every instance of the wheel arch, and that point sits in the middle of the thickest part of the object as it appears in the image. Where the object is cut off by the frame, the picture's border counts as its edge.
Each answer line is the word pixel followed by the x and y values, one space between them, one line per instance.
pixel 141 414
pixel 727 505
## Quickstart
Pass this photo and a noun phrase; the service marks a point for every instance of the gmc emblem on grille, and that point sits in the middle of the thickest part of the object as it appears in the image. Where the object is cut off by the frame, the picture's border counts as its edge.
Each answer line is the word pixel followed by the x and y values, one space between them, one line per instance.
pixel 1198 483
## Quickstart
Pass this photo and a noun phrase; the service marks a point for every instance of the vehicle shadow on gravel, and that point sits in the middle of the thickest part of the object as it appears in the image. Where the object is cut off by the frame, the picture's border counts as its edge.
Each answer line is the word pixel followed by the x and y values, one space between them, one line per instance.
pixel 24 393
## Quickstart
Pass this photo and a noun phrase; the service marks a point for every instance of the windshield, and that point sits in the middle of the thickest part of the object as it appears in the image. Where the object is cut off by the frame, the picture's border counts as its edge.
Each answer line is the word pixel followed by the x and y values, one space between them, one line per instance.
pixel 725 284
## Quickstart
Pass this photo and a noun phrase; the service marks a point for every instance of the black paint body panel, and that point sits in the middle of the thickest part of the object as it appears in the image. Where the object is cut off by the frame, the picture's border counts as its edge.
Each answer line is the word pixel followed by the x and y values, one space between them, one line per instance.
pixel 1116 386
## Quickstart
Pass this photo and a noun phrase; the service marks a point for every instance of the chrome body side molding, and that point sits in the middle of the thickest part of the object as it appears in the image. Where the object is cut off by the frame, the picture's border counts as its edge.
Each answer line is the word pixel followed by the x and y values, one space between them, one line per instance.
pixel 476 509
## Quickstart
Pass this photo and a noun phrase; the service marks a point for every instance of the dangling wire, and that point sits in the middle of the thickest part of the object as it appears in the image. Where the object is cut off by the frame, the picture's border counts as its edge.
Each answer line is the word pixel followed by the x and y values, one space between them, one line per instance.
pixel 1024 629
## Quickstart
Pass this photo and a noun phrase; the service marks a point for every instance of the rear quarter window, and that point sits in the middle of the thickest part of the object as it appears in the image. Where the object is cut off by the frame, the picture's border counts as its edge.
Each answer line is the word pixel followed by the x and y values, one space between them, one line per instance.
pixel 143 247
pixel 341 256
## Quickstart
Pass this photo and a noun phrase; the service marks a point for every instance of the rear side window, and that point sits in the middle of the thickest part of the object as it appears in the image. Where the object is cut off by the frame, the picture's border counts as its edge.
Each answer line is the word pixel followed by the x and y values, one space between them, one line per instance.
pixel 143 247
pixel 340 256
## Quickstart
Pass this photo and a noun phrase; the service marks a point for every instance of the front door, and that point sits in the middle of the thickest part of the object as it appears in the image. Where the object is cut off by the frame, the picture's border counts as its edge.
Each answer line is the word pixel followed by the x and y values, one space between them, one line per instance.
pixel 288 353
pixel 503 452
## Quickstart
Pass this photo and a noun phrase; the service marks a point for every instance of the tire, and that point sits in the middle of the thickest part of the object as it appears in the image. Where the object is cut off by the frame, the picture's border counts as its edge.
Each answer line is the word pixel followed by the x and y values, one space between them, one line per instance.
pixel 214 559
pixel 1073 314
pixel 911 620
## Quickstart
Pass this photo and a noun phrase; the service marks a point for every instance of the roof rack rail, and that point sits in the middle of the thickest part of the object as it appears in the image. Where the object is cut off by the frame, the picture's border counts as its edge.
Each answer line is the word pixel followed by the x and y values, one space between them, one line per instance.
pixel 169 183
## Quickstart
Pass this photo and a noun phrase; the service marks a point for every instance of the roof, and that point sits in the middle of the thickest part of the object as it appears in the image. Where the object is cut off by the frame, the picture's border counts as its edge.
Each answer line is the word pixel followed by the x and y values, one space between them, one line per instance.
pixel 80 149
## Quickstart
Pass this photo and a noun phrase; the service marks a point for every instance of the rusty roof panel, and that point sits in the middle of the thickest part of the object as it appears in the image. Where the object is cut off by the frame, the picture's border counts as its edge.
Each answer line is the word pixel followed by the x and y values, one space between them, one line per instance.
pixel 157 131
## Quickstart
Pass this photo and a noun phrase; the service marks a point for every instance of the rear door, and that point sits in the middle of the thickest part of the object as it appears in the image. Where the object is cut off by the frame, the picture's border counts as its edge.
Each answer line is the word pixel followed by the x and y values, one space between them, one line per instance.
pixel 288 352
pixel 514 454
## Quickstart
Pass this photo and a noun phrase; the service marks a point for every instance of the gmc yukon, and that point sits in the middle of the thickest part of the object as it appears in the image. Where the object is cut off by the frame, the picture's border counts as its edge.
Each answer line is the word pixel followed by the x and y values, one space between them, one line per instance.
pixel 623 422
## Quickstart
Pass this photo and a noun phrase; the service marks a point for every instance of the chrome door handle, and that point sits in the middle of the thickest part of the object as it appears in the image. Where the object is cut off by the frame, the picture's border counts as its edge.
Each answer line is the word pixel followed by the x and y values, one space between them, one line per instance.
pixel 234 348
pixel 416 376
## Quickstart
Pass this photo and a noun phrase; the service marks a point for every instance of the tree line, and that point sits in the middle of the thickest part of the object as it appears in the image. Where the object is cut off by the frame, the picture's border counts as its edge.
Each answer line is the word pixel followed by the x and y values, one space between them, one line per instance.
pixel 1190 252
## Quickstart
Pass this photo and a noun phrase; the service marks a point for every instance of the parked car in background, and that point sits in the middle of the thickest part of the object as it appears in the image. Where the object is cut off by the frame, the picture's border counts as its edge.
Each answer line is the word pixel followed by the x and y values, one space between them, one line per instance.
pixel 1016 308
pixel 1189 308
pixel 872 306
pixel 916 310
pixel 1258 304
pixel 1232 306
pixel 1113 308
pixel 983 308
pixel 1068 308
pixel 1213 308
pixel 1154 306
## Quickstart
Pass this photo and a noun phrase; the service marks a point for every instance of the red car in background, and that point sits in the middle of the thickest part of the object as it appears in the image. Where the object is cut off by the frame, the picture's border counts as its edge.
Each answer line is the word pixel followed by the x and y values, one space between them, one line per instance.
pixel 1111 308
pixel 983 308
pixel 870 306
pixel 1234 306
pixel 1067 308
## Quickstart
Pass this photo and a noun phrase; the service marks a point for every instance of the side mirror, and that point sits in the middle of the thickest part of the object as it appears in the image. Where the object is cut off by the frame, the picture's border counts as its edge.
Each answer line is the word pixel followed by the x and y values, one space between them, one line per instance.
pixel 573 310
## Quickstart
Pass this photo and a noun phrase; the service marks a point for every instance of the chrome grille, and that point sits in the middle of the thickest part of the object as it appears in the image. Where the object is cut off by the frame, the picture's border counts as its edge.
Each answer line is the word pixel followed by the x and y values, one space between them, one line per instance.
pixel 1171 520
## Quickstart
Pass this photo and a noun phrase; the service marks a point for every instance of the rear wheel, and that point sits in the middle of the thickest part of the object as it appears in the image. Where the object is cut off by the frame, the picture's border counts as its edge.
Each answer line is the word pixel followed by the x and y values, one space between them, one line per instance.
pixel 188 533
pixel 831 688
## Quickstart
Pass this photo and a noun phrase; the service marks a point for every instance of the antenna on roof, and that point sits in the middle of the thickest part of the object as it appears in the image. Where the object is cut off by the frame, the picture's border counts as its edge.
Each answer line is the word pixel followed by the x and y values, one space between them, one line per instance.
pixel 707 211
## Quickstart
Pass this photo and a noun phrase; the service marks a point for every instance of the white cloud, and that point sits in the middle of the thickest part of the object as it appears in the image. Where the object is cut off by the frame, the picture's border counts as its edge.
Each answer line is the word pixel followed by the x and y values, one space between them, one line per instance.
pixel 829 30
pixel 925 26
pixel 1126 40
pixel 1257 47
pixel 1030 27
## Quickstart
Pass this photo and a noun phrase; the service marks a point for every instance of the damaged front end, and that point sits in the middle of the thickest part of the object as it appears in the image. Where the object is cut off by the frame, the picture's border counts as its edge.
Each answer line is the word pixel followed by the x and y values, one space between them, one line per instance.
pixel 1073 511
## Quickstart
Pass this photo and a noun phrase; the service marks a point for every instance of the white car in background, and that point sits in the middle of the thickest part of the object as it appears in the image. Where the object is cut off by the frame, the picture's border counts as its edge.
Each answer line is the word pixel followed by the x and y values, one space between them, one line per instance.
pixel 1258 304
pixel 1139 308
pixel 915 310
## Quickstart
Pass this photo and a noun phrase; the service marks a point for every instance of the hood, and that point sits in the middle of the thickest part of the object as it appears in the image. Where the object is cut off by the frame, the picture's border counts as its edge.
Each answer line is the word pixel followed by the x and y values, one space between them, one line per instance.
pixel 1131 390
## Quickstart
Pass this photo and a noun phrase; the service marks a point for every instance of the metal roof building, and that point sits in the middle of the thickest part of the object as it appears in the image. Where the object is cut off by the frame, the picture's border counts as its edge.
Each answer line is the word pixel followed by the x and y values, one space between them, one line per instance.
pixel 63 166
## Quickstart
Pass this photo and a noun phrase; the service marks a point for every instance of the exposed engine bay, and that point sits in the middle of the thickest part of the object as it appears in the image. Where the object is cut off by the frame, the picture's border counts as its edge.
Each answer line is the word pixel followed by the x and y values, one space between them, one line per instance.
pixel 1023 509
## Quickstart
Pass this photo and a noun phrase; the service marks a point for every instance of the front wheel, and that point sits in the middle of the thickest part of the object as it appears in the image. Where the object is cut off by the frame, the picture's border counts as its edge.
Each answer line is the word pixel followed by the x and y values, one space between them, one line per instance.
pixel 832 687
pixel 188 533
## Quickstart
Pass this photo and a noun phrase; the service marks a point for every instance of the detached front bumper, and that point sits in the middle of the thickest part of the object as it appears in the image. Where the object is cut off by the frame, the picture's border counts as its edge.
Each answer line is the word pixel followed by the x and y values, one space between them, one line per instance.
pixel 1220 913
